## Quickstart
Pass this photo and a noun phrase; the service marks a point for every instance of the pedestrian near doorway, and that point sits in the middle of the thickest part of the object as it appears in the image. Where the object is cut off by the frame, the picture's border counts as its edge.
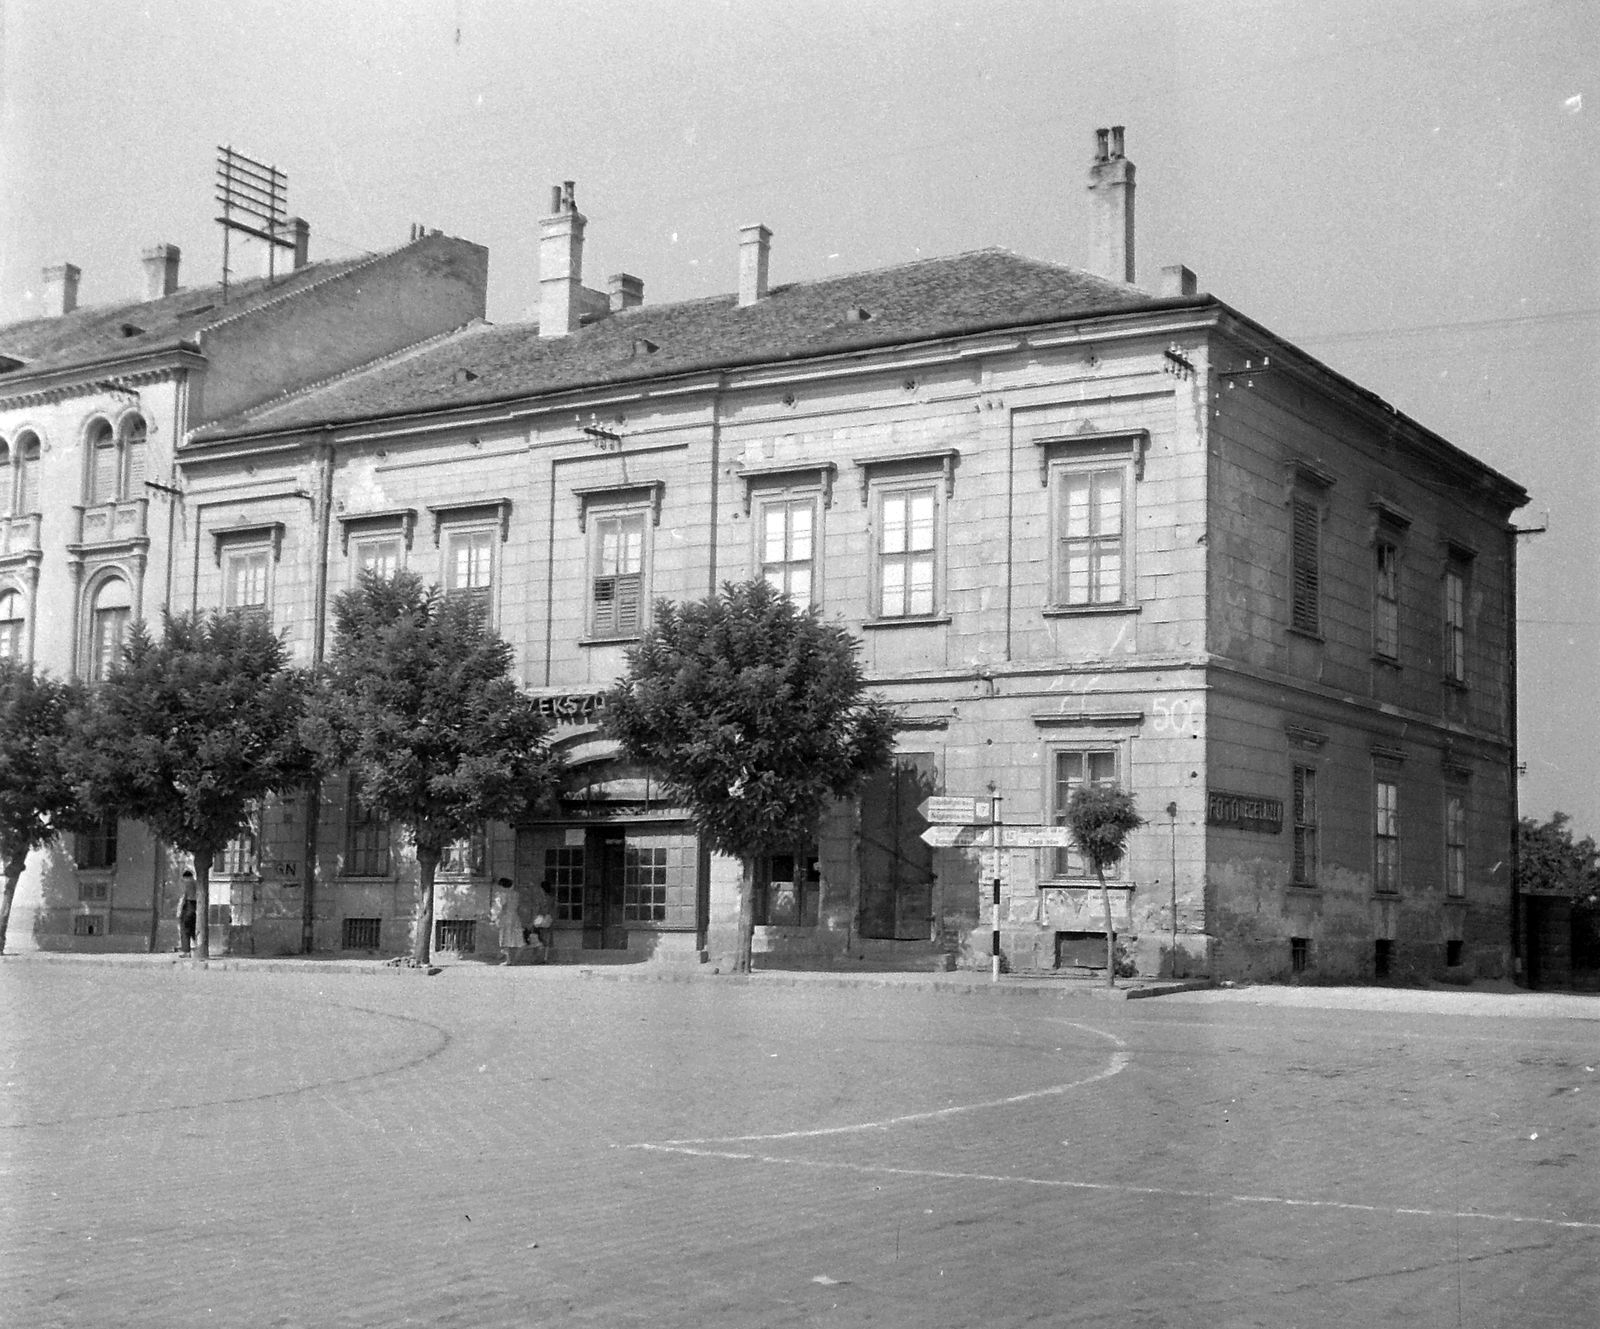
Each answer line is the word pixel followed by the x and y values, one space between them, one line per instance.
pixel 186 914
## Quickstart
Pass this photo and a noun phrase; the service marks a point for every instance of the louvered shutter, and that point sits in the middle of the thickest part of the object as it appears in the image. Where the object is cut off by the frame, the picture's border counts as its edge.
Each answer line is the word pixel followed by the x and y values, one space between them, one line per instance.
pixel 105 472
pixel 1305 575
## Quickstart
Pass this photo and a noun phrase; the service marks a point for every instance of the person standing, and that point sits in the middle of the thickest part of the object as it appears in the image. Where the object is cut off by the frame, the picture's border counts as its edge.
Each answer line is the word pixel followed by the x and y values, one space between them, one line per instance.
pixel 186 914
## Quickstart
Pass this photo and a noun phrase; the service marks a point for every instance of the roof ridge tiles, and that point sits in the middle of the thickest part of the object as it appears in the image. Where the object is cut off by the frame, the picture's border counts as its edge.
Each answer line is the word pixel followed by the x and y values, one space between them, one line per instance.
pixel 354 265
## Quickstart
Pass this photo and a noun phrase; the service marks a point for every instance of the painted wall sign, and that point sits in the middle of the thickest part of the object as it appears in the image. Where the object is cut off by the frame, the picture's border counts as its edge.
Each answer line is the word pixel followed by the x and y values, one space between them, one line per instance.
pixel 1244 812
pixel 572 707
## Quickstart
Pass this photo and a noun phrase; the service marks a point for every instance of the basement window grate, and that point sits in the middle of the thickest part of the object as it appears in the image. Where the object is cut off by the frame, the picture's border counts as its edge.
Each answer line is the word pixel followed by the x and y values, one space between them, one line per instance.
pixel 88 925
pixel 361 934
pixel 456 934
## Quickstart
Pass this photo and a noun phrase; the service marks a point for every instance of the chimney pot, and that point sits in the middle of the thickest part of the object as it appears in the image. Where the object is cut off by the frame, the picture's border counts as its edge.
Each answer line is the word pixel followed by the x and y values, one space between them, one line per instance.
pixel 755 247
pixel 300 229
pixel 1111 190
pixel 555 199
pixel 1116 140
pixel 160 270
pixel 1178 280
pixel 1100 150
pixel 61 289
pixel 626 290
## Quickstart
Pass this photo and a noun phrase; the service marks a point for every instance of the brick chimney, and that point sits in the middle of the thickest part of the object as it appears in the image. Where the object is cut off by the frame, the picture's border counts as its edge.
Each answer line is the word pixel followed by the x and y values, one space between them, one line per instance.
pixel 160 271
pixel 300 229
pixel 755 245
pixel 561 264
pixel 1178 280
pixel 61 289
pixel 626 290
pixel 1111 184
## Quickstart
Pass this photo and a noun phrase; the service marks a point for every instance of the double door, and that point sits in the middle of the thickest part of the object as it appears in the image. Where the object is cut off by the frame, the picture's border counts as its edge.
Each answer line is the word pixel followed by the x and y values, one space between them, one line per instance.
pixel 605 873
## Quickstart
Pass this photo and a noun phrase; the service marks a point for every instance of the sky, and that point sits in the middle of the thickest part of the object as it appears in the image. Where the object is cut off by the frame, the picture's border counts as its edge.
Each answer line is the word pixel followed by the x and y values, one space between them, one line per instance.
pixel 1410 192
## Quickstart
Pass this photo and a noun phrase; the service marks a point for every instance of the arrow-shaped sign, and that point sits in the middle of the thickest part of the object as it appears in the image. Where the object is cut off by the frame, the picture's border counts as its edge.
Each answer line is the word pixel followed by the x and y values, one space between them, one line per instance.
pixel 1036 837
pixel 959 837
pixel 942 809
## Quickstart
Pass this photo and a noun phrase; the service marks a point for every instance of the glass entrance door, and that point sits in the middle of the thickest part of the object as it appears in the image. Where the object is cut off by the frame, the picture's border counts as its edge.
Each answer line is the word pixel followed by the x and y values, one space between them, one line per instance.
pixel 603 928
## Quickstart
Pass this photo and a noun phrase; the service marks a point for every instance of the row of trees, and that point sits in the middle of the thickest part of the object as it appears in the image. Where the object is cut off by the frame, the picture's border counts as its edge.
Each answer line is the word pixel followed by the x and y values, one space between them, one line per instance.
pixel 753 713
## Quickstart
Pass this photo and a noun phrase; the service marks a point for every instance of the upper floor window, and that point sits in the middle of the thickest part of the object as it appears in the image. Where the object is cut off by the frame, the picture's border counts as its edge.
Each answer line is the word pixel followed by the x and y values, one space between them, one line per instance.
pixel 366 837
pixel 1386 600
pixel 1386 835
pixel 907 551
pixel 1455 620
pixel 237 858
pixel 1455 844
pixel 116 460
pixel 469 566
pixel 1074 768
pixel 617 586
pixel 109 615
pixel 1305 826
pixel 246 573
pixel 1091 552
pixel 380 555
pixel 19 475
pixel 12 623
pixel 1305 570
pixel 788 547
pixel 96 849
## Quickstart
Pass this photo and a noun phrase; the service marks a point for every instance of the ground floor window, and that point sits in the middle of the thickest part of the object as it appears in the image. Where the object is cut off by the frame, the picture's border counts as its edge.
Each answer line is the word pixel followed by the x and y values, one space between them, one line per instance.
pixel 455 934
pixel 361 934
pixel 1382 956
pixel 1299 953
pixel 1075 767
pixel 88 925
pixel 644 888
pixel 563 878
pixel 97 848
pixel 785 890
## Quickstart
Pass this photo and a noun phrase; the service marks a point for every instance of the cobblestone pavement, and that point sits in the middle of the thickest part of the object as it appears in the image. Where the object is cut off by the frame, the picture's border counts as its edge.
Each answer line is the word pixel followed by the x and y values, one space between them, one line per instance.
pixel 524 1147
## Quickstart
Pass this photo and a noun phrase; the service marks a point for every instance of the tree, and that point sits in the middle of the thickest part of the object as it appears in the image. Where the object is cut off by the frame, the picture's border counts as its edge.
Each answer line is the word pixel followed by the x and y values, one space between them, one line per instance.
pixel 1101 817
pixel 754 714
pixel 188 734
pixel 418 703
pixel 37 797
pixel 1549 859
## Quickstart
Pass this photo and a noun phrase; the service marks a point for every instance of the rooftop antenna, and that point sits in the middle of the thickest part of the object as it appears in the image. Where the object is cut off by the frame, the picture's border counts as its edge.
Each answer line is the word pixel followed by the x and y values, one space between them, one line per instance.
pixel 260 193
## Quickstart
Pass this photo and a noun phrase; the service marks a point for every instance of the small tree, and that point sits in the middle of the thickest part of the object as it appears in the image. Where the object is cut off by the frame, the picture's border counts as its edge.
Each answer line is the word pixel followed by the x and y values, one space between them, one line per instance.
pixel 1549 859
pixel 189 733
pixel 1101 818
pixel 755 716
pixel 37 798
pixel 418 703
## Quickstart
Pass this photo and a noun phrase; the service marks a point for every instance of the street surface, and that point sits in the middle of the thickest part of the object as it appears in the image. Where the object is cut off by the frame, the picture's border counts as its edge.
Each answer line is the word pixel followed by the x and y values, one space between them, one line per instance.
pixel 494 1147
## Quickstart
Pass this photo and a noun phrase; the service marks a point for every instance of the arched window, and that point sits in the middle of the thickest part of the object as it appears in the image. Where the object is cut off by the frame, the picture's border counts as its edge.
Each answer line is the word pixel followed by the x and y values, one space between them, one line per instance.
pixel 25 475
pixel 108 627
pixel 133 463
pixel 6 494
pixel 103 462
pixel 11 625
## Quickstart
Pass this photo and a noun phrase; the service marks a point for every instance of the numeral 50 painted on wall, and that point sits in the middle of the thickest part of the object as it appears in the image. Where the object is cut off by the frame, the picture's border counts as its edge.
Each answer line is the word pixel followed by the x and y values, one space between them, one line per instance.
pixel 1174 714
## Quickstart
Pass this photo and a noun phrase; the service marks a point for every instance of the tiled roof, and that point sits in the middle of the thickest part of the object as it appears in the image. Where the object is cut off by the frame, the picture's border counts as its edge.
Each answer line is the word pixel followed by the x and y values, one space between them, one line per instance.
pixel 990 288
pixel 93 333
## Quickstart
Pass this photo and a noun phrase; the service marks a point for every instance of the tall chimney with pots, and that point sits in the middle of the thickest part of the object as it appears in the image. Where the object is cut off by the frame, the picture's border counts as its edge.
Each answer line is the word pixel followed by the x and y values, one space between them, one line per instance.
pixel 561 264
pixel 160 271
pixel 1111 185
pixel 755 245
pixel 61 289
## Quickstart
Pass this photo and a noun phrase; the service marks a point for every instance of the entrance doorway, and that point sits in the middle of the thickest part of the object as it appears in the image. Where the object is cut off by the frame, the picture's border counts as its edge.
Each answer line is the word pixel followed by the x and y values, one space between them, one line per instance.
pixel 896 866
pixel 603 882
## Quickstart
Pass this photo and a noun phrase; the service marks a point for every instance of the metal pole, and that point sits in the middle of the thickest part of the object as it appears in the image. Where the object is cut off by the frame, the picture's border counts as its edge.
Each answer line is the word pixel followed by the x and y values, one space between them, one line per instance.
pixel 994 818
pixel 1172 811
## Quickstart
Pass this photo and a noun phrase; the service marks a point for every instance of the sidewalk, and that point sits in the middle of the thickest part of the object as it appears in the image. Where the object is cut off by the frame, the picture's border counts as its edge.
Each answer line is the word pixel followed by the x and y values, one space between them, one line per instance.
pixel 1500 999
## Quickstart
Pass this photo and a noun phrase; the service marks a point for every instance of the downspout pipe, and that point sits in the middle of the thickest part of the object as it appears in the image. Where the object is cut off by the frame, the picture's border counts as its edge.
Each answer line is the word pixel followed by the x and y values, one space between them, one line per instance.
pixel 319 639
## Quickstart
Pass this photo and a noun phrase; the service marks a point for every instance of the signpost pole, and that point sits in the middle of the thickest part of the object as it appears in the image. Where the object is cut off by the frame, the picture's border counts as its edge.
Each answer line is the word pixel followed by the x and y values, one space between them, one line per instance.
pixel 994 817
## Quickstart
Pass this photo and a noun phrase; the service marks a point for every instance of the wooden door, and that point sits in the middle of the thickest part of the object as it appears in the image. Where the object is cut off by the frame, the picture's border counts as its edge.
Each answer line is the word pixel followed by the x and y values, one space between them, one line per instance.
pixel 896 866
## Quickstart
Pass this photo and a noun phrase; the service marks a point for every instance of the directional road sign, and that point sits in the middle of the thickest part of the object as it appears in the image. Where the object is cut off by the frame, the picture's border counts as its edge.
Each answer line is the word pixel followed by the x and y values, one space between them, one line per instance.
pixel 959 837
pixel 954 811
pixel 1011 837
pixel 1036 837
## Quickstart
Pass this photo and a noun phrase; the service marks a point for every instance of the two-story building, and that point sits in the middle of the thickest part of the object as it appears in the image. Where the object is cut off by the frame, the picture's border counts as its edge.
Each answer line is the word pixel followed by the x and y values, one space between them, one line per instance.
pixel 95 531
pixel 1084 531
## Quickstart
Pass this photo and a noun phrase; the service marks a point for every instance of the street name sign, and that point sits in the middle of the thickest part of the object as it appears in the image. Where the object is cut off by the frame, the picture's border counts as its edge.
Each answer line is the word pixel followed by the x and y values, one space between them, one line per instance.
pixel 950 810
pixel 1011 837
pixel 959 837
pixel 1036 837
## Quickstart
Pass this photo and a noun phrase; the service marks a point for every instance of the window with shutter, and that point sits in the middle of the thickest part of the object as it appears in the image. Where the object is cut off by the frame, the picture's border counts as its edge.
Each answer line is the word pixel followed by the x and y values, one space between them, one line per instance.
pixel 245 592
pixel 25 460
pixel 1305 573
pixel 617 589
pixel 103 466
pixel 133 458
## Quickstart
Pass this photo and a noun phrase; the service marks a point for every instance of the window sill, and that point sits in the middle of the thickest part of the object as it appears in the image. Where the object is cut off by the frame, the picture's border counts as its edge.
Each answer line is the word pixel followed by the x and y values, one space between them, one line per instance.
pixel 367 879
pixel 910 621
pixel 609 641
pixel 1306 633
pixel 1386 895
pixel 462 878
pixel 1455 685
pixel 1304 888
pixel 1084 611
pixel 1082 884
pixel 1387 661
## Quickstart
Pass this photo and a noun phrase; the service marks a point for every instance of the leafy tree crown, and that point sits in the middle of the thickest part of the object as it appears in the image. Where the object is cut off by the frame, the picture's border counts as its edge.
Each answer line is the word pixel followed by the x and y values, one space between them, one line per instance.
pixel 1550 859
pixel 1101 817
pixel 753 712
pixel 37 798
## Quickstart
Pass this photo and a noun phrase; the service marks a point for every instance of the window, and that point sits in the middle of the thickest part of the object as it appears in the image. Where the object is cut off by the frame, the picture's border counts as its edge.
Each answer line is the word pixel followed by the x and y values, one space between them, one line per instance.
pixel 1386 601
pixel 1305 826
pixel 361 934
pixel 467 857
pixel 96 849
pixel 116 460
pixel 380 556
pixel 788 559
pixel 24 477
pixel 245 582
pixel 1305 573
pixel 1090 560
pixel 469 567
pixel 134 434
pixel 1455 621
pixel 1382 957
pixel 1452 954
pixel 1073 768
pixel 108 627
pixel 237 858
pixel 785 890
pixel 1455 844
pixel 88 925
pixel 617 606
pixel 7 480
pixel 102 463
pixel 456 934
pixel 906 539
pixel 1299 953
pixel 644 884
pixel 563 877
pixel 1386 848
pixel 366 838
pixel 11 625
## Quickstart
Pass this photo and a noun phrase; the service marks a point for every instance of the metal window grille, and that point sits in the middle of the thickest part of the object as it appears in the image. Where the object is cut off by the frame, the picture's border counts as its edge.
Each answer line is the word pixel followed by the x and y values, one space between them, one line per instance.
pixel 1386 602
pixel 1091 526
pixel 456 934
pixel 906 554
pixel 1386 856
pixel 1305 826
pixel 88 925
pixel 644 885
pixel 563 874
pixel 361 934
pixel 1305 572
pixel 1095 766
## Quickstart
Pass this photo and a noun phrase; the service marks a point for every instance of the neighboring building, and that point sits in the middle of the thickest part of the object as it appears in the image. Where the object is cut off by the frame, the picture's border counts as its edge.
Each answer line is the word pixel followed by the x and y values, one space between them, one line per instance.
pixel 92 532
pixel 1084 533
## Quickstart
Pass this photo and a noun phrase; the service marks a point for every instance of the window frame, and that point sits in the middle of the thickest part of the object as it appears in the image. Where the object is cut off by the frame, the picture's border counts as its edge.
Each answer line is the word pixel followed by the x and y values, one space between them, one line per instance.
pixel 1387 565
pixel 1305 583
pixel 235 554
pixel 14 630
pixel 360 821
pixel 788 498
pixel 96 662
pixel 1063 470
pixel 1455 843
pixel 451 534
pixel 1058 863
pixel 1456 588
pixel 597 519
pixel 96 850
pixel 26 450
pixel 1387 862
pixel 906 487
pixel 476 857
pixel 1306 831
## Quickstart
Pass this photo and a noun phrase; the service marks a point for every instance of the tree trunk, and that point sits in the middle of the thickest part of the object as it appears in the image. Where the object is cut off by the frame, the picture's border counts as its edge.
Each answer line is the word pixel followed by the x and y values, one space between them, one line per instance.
pixel 1111 945
pixel 427 865
pixel 202 903
pixel 13 874
pixel 747 919
pixel 308 876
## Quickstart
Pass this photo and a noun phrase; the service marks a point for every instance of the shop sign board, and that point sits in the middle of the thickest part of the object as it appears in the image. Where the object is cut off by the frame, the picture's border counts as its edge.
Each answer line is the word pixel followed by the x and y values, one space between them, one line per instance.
pixel 1244 812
